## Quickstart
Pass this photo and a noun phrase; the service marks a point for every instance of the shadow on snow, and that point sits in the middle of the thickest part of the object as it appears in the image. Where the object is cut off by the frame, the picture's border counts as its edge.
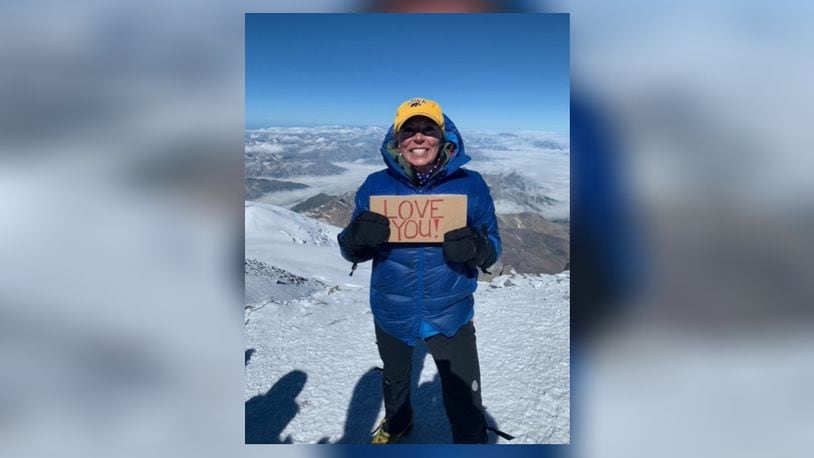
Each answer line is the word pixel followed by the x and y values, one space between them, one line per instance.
pixel 268 414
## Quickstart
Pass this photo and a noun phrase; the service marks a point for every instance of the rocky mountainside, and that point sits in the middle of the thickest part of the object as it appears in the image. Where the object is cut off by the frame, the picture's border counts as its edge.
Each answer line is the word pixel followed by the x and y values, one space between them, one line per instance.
pixel 263 281
pixel 334 210
pixel 532 244
pixel 257 187
pixel 514 193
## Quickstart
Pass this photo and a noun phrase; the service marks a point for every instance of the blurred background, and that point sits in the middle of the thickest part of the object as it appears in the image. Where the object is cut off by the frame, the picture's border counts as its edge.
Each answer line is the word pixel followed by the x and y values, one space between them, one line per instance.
pixel 121 183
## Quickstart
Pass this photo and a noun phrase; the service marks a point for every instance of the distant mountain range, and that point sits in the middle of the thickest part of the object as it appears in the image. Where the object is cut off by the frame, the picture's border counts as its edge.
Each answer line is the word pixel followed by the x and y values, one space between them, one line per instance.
pixel 288 152
pixel 508 141
pixel 531 243
pixel 257 187
pixel 285 167
pixel 283 152
pixel 513 193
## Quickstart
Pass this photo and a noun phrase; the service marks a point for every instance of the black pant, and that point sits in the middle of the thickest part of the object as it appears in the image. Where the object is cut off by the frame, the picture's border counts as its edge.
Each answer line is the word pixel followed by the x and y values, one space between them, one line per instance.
pixel 456 358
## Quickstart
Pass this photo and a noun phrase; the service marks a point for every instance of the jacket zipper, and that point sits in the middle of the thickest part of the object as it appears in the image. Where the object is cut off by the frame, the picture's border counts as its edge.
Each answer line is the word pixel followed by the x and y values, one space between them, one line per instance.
pixel 419 300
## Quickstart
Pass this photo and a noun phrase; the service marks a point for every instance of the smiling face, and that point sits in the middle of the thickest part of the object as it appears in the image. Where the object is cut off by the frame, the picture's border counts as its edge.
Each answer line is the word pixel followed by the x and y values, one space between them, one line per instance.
pixel 419 141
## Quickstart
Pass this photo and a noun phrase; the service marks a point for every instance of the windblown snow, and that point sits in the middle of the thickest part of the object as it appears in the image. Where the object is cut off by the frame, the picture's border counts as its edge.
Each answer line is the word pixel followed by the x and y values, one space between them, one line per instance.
pixel 311 361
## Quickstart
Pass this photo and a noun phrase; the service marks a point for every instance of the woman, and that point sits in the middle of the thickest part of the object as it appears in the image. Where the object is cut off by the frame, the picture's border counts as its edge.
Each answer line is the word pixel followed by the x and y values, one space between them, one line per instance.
pixel 425 290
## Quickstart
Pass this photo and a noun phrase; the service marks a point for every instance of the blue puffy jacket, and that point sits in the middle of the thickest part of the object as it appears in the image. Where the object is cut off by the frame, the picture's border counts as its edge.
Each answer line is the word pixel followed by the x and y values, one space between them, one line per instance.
pixel 413 282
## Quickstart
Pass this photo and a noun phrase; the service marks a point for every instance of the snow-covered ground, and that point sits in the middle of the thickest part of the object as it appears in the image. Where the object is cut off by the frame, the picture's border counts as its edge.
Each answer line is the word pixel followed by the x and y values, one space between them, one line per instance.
pixel 311 358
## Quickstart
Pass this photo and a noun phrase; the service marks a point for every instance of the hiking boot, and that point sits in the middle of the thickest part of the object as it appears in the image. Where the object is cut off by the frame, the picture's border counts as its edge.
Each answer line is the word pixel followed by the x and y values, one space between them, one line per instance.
pixel 381 436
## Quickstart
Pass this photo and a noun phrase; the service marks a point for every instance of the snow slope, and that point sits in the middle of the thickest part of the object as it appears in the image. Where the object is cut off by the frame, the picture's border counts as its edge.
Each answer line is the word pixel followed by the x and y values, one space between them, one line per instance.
pixel 311 359
pixel 298 244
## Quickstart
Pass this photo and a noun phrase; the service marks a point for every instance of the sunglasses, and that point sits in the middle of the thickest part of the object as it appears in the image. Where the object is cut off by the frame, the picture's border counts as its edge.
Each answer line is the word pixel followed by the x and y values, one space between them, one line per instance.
pixel 409 131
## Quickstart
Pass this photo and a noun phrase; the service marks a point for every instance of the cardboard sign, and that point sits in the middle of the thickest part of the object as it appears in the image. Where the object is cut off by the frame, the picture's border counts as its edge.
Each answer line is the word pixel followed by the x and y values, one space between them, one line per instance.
pixel 421 218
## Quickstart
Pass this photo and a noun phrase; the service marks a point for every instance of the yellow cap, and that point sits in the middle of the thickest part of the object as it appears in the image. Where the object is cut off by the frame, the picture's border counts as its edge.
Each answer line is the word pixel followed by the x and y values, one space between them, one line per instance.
pixel 418 107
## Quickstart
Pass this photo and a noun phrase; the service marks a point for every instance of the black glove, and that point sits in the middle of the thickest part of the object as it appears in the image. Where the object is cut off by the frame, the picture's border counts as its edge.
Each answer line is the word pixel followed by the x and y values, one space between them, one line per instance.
pixel 469 246
pixel 366 233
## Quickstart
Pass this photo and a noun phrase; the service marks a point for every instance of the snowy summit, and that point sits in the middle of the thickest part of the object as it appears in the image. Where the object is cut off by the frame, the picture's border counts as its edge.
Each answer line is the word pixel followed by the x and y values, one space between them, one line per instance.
pixel 312 368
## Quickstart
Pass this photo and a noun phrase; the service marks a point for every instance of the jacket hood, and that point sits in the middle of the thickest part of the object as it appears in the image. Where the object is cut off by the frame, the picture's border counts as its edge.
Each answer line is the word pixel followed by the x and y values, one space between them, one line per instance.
pixel 453 154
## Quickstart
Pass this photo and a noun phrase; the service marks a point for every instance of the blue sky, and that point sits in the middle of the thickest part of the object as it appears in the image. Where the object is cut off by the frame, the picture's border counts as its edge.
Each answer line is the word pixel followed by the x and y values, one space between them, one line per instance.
pixel 488 71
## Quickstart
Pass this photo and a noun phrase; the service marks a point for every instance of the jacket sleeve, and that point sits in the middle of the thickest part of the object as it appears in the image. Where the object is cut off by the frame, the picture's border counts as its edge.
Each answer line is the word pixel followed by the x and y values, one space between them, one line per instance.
pixel 362 203
pixel 484 217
